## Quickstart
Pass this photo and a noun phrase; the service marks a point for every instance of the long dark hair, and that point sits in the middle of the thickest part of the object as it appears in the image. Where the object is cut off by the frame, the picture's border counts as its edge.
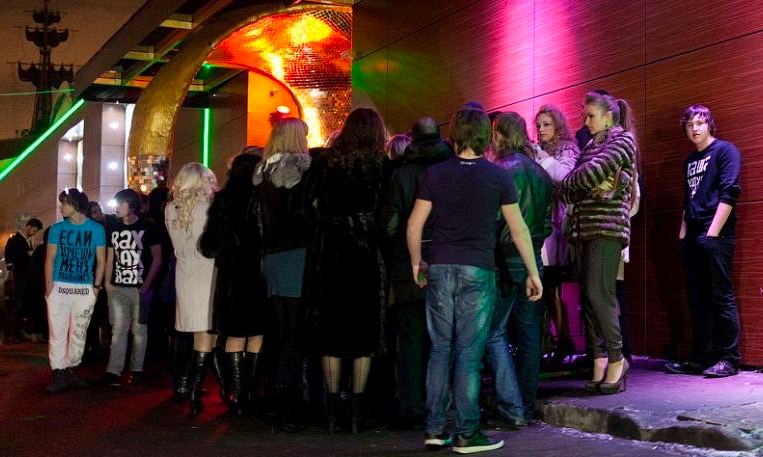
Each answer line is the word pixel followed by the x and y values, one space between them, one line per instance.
pixel 361 141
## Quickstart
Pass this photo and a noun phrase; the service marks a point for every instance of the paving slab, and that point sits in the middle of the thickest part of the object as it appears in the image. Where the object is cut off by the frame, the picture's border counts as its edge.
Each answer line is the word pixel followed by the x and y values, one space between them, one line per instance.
pixel 723 413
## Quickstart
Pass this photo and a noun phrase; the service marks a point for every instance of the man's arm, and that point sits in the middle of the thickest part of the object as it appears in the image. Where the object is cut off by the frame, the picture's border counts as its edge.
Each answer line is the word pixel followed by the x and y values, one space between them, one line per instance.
pixel 682 230
pixel 109 267
pixel 416 221
pixel 156 262
pixel 520 235
pixel 719 219
pixel 50 259
pixel 100 260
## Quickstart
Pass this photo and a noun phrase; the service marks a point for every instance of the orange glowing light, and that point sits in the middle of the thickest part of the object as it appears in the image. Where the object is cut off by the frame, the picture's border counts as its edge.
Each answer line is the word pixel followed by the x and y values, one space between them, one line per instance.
pixel 297 50
pixel 308 29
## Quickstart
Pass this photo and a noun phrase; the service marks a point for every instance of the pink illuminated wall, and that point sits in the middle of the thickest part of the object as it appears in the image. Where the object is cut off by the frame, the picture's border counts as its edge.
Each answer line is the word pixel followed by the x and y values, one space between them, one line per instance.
pixel 427 57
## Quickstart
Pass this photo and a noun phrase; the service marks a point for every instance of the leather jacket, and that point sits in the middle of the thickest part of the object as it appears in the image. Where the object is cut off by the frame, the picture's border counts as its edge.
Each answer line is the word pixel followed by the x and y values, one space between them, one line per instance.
pixel 535 192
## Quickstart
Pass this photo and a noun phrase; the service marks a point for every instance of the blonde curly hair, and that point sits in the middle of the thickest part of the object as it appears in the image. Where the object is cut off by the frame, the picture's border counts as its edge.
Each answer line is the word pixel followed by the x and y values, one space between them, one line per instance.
pixel 193 183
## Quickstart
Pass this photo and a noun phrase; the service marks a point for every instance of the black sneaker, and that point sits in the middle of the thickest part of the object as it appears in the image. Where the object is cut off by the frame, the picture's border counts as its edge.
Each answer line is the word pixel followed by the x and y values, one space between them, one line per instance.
pixel 110 379
pixel 437 442
pixel 684 367
pixel 512 424
pixel 74 380
pixel 721 369
pixel 60 382
pixel 135 378
pixel 477 442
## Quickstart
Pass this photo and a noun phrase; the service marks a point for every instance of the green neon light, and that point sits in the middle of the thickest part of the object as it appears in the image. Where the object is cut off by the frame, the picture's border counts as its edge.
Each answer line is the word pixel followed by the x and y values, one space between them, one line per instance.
pixel 53 91
pixel 36 143
pixel 205 146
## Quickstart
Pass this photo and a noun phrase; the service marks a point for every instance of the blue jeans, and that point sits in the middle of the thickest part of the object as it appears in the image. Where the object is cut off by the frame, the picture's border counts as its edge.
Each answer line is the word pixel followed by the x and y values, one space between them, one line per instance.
pixel 526 330
pixel 460 300
pixel 498 353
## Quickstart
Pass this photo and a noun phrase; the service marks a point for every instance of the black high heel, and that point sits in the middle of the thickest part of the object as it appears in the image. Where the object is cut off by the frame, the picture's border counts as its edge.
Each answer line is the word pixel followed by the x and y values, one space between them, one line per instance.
pixel 617 386
pixel 593 386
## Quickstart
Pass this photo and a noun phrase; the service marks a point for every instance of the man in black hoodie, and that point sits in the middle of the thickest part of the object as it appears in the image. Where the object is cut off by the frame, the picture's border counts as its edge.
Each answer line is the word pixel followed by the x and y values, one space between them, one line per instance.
pixel 711 189
pixel 407 299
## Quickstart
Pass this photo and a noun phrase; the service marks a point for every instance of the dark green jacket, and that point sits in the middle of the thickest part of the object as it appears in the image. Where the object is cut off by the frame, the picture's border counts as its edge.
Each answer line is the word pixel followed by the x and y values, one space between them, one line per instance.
pixel 535 192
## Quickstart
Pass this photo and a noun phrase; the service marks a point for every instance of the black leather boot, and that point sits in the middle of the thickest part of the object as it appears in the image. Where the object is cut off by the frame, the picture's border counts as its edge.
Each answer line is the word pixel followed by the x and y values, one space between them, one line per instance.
pixel 182 351
pixel 199 366
pixel 249 383
pixel 332 411
pixel 220 369
pixel 236 400
pixel 358 412
pixel 288 409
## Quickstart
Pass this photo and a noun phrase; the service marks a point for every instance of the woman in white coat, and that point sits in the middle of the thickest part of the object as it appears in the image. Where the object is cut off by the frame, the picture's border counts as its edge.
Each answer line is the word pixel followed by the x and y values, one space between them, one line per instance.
pixel 186 216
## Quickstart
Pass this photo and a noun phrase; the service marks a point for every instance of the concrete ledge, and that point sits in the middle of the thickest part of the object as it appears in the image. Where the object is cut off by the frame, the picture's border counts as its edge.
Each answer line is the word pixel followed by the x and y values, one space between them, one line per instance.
pixel 624 422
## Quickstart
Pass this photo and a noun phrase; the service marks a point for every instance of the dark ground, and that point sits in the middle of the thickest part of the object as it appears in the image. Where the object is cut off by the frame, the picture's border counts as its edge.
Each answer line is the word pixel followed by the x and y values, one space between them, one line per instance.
pixel 140 420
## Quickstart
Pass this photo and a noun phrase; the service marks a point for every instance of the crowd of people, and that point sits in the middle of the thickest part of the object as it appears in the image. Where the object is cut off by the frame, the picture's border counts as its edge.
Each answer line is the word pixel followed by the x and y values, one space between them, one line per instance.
pixel 432 254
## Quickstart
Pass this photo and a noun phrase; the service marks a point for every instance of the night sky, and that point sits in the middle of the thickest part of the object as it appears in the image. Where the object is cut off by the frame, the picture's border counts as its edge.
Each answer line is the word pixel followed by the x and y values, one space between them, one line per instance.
pixel 90 24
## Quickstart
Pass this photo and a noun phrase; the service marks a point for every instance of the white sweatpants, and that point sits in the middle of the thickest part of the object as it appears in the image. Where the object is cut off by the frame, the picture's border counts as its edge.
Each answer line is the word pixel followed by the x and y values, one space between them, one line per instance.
pixel 70 307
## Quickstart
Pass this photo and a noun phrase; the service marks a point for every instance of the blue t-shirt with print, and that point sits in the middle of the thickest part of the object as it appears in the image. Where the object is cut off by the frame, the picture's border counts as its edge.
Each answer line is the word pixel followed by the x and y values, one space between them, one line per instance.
pixel 75 250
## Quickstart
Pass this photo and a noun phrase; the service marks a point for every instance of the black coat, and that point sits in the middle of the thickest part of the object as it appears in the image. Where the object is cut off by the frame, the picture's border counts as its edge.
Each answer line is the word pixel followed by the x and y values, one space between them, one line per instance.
pixel 286 214
pixel 17 254
pixel 345 272
pixel 398 204
pixel 232 238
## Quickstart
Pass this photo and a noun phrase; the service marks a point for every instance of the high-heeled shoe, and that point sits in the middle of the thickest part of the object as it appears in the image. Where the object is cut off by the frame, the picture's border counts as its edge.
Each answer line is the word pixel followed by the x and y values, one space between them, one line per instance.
pixel 592 386
pixel 617 386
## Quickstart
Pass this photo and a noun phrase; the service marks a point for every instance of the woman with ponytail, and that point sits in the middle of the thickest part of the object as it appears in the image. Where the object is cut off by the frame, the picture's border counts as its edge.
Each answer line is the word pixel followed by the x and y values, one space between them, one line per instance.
pixel 601 188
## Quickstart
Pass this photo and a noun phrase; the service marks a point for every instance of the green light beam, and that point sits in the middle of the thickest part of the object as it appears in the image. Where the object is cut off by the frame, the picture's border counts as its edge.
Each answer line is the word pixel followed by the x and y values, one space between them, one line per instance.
pixel 36 143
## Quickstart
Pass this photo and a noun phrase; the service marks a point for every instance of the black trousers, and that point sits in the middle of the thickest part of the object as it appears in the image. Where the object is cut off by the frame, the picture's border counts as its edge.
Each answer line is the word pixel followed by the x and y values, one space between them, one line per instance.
pixel 286 315
pixel 710 294
pixel 597 262
pixel 412 349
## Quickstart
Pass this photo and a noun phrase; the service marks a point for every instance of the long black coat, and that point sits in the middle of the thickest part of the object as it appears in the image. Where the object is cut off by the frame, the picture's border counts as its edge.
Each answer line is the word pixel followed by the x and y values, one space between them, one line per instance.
pixel 232 238
pixel 346 275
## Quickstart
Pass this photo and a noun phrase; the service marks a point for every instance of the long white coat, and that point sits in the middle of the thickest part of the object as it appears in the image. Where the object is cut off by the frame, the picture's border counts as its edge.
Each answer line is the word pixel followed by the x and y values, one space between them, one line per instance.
pixel 194 274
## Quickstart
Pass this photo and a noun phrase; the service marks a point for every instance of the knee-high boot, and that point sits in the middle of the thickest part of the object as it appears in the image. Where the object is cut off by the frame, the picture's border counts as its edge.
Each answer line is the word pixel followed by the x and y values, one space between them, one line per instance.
pixel 358 412
pixel 332 411
pixel 236 399
pixel 220 369
pixel 199 367
pixel 182 351
pixel 249 384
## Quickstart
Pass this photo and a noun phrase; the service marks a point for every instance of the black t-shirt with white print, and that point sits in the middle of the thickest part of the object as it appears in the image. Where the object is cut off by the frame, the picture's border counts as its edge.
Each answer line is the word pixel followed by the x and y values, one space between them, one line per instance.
pixel 132 251
pixel 711 178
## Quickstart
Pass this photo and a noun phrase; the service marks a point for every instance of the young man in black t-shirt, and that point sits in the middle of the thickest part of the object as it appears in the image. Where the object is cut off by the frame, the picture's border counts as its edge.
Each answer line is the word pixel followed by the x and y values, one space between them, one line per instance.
pixel 462 197
pixel 133 258
pixel 711 189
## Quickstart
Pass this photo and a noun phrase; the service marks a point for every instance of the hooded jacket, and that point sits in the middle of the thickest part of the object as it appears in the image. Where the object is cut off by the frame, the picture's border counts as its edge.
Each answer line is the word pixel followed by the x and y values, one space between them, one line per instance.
pixel 425 150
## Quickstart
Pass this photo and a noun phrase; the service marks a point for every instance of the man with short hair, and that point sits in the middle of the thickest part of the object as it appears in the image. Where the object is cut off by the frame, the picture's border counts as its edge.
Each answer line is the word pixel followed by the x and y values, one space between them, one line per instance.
pixel 133 258
pixel 461 198
pixel 711 190
pixel 18 259
pixel 407 308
